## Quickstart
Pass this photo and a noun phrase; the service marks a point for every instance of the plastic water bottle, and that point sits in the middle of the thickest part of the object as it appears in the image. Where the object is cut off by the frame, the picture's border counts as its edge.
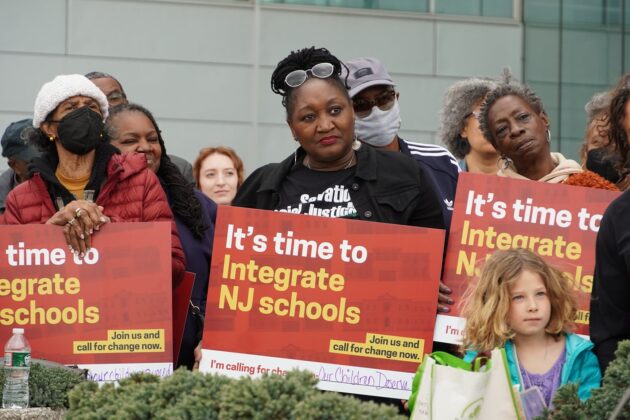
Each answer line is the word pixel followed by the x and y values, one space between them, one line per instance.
pixel 17 365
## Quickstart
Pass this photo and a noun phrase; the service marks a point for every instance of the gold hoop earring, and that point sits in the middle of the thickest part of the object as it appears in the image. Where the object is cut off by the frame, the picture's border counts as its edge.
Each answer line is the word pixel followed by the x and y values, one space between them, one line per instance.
pixel 51 138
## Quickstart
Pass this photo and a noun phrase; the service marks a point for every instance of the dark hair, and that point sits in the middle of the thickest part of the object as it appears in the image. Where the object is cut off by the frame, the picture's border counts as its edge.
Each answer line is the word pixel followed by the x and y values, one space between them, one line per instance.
pixel 507 89
pixel 223 150
pixel 100 75
pixel 304 59
pixel 616 132
pixel 36 138
pixel 183 201
pixel 617 150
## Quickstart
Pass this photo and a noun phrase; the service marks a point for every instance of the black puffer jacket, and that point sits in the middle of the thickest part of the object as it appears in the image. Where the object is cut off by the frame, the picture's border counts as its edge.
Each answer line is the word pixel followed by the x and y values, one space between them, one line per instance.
pixel 387 187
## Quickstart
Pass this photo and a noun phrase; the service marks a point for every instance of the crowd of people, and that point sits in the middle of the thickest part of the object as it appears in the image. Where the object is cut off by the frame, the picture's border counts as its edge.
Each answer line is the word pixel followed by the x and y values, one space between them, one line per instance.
pixel 89 157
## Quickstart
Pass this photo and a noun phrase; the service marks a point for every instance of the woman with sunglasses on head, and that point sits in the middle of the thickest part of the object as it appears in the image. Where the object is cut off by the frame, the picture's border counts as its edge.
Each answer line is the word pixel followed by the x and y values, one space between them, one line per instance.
pixel 459 126
pixel 512 117
pixel 329 174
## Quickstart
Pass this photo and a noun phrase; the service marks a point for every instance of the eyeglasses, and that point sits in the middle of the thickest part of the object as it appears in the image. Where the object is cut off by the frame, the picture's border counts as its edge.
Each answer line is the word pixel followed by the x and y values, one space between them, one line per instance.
pixel 298 77
pixel 116 96
pixel 363 107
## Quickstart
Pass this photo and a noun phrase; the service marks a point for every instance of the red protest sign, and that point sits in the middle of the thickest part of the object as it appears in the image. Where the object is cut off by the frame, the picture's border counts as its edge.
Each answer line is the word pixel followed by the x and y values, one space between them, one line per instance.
pixel 558 222
pixel 352 301
pixel 109 312
pixel 181 301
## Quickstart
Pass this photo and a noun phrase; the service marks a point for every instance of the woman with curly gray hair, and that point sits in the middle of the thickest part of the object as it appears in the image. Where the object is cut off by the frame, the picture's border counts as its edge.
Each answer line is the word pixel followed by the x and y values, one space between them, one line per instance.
pixel 459 126
pixel 597 124
pixel 514 120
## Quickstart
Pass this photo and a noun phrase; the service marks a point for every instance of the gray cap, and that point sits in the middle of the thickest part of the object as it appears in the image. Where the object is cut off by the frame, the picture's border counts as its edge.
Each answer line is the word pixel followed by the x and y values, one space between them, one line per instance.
pixel 365 72
pixel 14 142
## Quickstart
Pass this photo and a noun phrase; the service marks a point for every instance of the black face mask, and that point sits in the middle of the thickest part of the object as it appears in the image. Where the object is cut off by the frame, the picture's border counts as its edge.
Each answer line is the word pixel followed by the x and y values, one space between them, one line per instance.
pixel 603 163
pixel 81 130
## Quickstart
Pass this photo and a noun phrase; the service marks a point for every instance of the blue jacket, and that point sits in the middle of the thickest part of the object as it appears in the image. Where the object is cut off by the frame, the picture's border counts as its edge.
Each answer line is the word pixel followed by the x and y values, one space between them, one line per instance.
pixel 199 251
pixel 441 168
pixel 198 257
pixel 580 367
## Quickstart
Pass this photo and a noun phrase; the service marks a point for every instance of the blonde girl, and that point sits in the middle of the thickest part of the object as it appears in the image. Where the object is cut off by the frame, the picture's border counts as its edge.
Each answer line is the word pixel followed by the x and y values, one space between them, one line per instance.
pixel 523 304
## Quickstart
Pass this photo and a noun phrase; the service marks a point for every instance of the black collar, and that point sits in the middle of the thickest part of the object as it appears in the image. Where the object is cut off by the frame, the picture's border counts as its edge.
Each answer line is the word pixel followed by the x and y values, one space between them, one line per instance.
pixel 366 167
pixel 46 165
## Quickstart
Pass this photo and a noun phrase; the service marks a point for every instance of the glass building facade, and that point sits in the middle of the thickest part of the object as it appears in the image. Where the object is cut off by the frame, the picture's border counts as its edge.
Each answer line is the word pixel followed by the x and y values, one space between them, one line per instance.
pixel 571 49
pixel 492 8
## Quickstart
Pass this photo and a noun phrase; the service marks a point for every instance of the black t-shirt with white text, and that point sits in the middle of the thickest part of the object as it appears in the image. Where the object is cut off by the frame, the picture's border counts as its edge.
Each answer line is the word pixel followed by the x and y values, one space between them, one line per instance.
pixel 317 193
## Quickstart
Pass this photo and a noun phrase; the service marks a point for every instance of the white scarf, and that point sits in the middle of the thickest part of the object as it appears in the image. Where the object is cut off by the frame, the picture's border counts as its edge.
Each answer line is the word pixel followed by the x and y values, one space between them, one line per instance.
pixel 564 168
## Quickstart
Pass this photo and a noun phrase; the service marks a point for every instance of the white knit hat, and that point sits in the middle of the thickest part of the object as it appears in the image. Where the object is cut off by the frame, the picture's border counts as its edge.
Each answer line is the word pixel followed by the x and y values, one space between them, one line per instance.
pixel 61 88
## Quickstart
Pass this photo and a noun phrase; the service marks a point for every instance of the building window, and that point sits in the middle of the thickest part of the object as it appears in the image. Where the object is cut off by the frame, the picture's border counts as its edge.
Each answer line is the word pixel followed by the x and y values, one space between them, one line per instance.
pixel 492 8
pixel 400 5
pixel 573 49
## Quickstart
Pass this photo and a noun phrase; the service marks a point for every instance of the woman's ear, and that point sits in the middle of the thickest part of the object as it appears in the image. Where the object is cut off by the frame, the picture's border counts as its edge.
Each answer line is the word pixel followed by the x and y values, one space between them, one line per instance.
pixel 545 119
pixel 292 132
pixel 48 129
pixel 464 133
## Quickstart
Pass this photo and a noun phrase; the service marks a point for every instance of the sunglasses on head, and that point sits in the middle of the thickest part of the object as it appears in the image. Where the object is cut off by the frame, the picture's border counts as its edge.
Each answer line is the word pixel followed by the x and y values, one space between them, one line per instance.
pixel 298 77
pixel 384 101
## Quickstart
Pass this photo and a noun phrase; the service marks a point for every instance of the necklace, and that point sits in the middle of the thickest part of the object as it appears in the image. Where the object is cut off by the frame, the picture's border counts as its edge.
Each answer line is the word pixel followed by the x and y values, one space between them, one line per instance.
pixel 350 162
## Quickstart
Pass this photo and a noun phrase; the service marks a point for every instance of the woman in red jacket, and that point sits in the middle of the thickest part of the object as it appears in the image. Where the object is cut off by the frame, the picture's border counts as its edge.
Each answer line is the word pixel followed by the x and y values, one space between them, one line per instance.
pixel 81 182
